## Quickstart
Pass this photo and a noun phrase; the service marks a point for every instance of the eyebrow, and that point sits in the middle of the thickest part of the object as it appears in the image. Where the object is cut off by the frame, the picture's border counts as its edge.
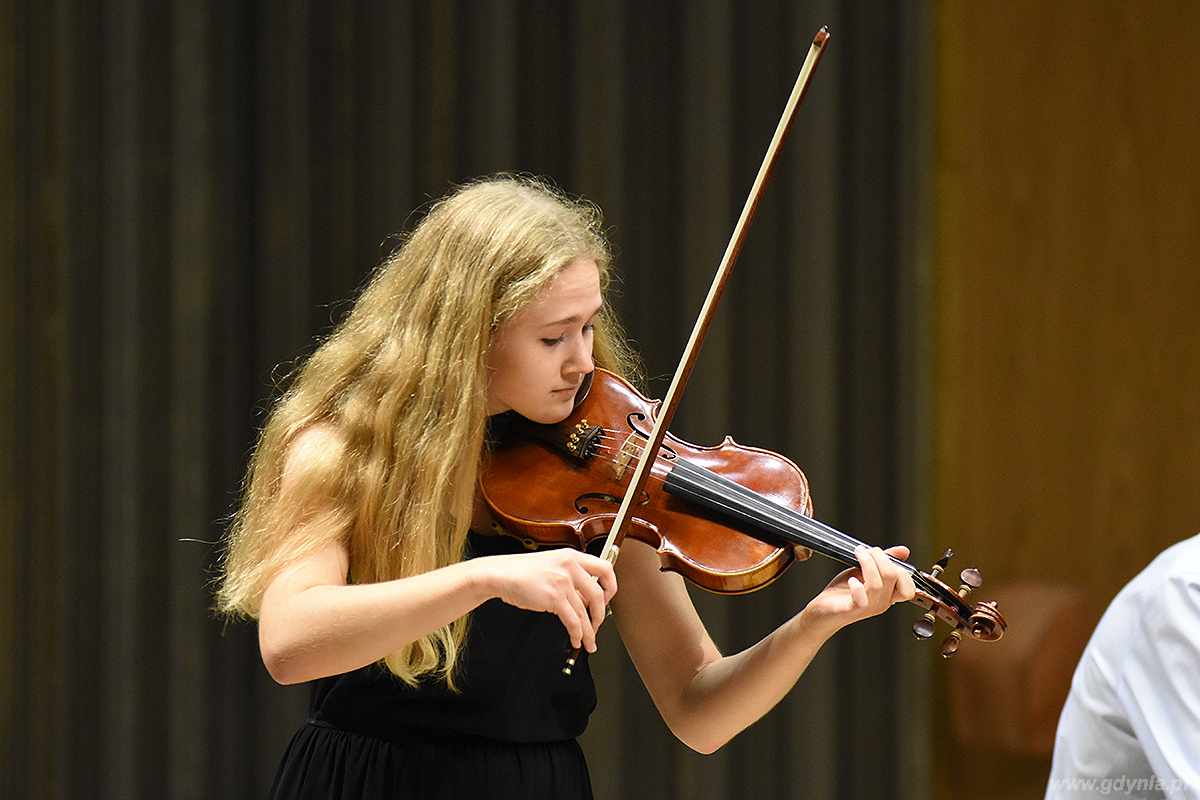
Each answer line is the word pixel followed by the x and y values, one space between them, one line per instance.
pixel 574 318
pixel 571 320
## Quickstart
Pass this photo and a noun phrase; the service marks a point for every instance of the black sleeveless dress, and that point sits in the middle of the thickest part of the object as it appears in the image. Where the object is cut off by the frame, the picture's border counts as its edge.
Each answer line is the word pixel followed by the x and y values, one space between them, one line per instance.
pixel 510 731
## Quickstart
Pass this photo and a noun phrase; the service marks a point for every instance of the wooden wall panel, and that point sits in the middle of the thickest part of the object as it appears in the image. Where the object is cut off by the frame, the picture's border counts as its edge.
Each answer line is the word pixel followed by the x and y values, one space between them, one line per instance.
pixel 1069 277
pixel 1067 374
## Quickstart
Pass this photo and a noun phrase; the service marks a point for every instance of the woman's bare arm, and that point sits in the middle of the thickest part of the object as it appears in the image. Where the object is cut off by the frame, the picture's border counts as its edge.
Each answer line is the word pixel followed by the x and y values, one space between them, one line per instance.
pixel 706 698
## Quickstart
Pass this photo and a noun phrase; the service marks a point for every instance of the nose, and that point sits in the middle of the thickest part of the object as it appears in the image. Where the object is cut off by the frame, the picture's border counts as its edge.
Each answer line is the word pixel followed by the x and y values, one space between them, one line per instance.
pixel 580 360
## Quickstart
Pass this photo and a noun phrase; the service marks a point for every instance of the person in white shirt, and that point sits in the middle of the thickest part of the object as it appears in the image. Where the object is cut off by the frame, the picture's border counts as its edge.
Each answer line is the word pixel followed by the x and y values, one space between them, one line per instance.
pixel 1131 724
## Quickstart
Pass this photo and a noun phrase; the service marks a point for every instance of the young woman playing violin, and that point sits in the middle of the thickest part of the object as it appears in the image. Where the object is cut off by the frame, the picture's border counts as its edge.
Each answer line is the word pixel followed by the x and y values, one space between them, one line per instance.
pixel 435 651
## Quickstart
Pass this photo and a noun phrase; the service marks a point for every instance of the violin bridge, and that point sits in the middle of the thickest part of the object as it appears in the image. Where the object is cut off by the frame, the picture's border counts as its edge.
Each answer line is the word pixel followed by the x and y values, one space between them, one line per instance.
pixel 629 452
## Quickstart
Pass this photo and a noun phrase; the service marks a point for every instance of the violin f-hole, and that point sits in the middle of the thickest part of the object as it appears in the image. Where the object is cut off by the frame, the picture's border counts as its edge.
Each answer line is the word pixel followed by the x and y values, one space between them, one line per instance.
pixel 581 501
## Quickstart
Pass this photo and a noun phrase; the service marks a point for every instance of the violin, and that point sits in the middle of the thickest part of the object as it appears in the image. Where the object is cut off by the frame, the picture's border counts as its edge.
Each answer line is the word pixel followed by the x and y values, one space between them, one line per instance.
pixel 726 518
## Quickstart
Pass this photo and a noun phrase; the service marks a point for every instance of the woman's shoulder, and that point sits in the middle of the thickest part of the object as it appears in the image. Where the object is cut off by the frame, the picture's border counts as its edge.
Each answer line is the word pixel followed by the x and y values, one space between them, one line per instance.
pixel 314 443
pixel 314 461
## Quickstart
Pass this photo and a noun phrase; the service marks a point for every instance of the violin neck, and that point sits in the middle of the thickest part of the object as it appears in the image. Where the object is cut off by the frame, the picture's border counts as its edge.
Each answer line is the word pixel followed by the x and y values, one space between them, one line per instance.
pixel 689 481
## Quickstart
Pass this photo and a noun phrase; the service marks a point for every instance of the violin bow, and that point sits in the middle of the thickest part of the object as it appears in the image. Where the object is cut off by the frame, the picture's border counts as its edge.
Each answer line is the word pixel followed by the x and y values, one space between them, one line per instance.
pixel 637 483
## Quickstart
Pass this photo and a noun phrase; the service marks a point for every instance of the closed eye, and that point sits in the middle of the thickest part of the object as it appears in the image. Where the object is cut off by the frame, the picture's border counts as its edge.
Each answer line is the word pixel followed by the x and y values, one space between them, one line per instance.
pixel 585 330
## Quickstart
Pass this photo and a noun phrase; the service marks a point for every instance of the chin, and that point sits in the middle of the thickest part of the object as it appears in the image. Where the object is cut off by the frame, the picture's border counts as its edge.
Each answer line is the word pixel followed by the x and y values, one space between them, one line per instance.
pixel 551 415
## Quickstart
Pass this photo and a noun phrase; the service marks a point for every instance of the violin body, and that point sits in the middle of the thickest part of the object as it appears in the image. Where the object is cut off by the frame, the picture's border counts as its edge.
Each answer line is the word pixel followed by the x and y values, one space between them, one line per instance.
pixel 548 489
pixel 728 518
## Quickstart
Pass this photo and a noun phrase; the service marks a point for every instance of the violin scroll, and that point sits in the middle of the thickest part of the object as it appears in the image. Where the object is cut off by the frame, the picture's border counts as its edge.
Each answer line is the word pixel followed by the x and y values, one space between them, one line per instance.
pixel 983 622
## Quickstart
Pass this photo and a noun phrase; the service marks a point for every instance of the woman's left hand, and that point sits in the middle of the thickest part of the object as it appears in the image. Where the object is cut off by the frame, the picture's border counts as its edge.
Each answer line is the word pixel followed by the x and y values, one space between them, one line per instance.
pixel 864 591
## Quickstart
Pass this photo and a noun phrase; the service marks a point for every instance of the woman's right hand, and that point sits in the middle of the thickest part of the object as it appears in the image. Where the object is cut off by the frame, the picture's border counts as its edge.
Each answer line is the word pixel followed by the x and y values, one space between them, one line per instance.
pixel 574 586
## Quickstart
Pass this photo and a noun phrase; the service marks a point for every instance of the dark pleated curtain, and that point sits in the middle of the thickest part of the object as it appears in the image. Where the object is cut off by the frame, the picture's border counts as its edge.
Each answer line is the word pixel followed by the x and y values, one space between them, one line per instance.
pixel 193 191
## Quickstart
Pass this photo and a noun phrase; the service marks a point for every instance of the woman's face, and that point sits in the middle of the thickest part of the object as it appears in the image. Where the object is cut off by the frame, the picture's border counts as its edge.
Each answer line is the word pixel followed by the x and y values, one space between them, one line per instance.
pixel 539 357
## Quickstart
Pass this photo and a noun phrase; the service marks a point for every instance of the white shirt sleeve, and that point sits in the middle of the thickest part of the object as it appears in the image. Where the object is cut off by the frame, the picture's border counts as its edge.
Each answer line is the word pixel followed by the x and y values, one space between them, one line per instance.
pixel 1159 684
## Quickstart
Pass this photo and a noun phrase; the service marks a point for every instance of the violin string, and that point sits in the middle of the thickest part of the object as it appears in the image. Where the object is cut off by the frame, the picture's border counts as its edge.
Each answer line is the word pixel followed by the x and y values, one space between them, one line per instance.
pixel 720 492
pixel 731 496
pixel 774 514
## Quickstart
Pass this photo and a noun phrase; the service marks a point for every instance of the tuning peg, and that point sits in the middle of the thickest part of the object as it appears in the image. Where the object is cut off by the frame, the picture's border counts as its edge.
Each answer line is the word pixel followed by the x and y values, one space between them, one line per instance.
pixel 950 646
pixel 971 579
pixel 941 563
pixel 925 626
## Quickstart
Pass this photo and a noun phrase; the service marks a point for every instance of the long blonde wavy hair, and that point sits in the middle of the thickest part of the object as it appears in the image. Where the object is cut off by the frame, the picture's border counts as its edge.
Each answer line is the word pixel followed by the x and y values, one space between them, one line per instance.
pixel 402 383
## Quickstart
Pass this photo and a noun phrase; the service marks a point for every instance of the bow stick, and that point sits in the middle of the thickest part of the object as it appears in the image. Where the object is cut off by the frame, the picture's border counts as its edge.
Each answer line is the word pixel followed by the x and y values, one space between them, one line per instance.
pixel 637 483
